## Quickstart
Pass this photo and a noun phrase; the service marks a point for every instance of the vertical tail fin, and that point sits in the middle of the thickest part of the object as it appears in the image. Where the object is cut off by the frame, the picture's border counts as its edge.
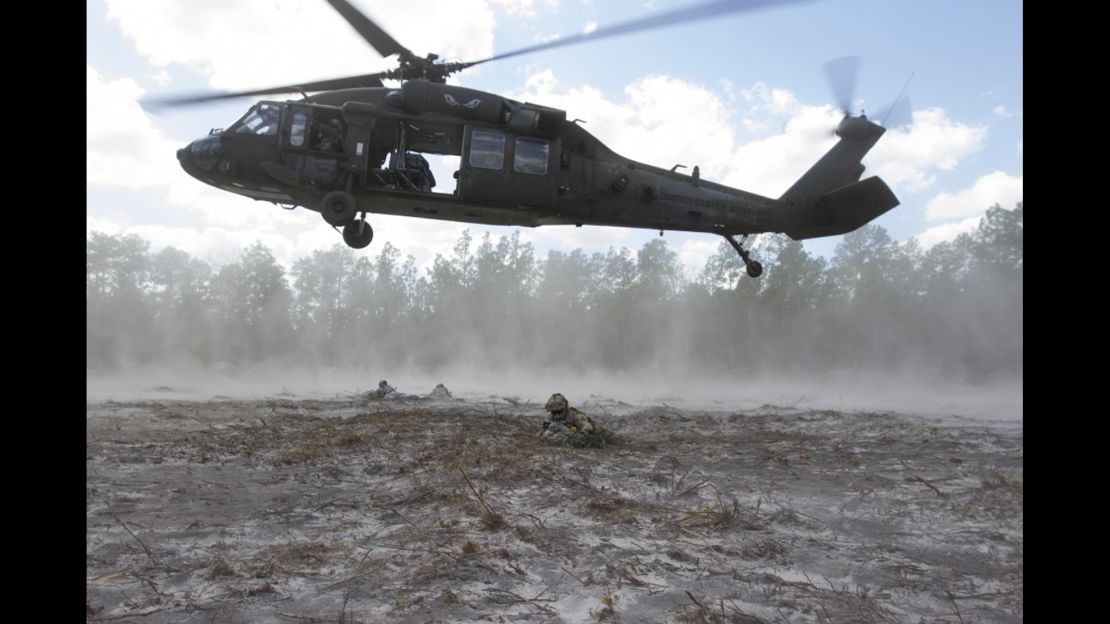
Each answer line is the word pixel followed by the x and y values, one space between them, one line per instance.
pixel 829 199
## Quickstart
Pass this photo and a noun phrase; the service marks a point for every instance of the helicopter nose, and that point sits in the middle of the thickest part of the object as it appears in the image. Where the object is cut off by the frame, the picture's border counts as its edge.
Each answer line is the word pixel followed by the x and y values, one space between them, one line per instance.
pixel 200 155
pixel 184 158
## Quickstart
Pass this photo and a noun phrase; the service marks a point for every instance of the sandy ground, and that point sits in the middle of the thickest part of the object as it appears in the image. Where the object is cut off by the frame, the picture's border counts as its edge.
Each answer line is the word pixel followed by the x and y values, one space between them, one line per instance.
pixel 346 509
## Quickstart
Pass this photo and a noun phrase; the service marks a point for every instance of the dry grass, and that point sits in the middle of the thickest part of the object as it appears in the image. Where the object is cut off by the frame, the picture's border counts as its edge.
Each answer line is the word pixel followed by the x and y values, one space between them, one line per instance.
pixel 220 568
pixel 607 610
pixel 491 520
pixel 392 499
pixel 698 613
pixel 708 516
pixel 296 560
pixel 347 438
pixel 488 518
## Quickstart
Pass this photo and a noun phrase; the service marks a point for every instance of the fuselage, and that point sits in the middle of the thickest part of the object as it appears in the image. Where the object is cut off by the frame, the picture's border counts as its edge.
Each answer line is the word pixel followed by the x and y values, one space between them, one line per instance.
pixel 520 164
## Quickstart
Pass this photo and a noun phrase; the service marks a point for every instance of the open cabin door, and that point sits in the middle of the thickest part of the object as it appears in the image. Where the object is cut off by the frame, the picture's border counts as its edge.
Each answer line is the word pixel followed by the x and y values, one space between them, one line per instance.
pixel 500 166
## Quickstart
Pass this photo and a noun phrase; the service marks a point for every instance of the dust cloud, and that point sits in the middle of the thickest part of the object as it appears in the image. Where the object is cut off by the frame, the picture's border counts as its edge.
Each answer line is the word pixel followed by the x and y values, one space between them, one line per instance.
pixel 908 394
pixel 881 325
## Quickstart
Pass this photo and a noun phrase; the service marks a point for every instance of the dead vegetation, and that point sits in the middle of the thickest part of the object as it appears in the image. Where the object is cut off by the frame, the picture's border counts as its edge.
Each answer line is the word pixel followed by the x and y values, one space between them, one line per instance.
pixel 340 511
pixel 489 518
pixel 698 613
pixel 719 516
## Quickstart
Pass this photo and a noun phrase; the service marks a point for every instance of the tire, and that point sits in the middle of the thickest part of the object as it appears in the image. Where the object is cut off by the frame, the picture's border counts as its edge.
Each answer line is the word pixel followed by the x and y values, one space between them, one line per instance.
pixel 755 269
pixel 356 236
pixel 338 208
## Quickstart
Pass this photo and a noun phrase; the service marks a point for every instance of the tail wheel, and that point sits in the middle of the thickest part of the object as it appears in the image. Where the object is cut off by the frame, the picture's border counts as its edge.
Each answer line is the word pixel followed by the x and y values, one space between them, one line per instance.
pixel 338 208
pixel 754 268
pixel 358 234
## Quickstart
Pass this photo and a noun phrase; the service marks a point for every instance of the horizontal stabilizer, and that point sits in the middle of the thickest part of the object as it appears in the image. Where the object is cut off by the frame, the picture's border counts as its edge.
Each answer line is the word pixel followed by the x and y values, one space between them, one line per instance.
pixel 842 210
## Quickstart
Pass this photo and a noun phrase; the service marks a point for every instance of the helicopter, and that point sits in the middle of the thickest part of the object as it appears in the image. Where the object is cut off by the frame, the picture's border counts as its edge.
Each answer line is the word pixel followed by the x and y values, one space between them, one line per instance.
pixel 356 147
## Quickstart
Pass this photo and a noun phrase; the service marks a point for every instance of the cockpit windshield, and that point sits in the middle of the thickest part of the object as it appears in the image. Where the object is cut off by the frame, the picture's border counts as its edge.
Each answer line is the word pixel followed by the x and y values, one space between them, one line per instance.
pixel 263 120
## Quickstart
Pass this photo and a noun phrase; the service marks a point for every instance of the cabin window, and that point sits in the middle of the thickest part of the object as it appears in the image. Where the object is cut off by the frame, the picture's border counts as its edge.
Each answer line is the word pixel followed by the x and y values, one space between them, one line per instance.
pixel 487 149
pixel 261 120
pixel 297 131
pixel 531 156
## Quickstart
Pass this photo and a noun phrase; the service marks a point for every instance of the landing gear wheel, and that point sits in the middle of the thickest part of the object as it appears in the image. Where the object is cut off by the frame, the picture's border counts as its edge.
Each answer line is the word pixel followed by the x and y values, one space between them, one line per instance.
pixel 358 234
pixel 754 268
pixel 338 208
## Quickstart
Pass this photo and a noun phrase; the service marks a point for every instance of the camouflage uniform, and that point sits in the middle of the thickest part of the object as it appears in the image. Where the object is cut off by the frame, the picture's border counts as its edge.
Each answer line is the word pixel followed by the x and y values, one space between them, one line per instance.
pixel 568 426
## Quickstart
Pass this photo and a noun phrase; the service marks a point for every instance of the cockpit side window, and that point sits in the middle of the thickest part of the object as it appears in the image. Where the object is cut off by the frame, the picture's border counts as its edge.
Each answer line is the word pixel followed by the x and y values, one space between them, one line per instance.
pixel 261 120
pixel 297 131
pixel 487 149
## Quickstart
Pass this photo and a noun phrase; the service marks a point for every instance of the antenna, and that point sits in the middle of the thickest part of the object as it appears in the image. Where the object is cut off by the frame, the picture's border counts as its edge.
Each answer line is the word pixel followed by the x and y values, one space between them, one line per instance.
pixel 891 109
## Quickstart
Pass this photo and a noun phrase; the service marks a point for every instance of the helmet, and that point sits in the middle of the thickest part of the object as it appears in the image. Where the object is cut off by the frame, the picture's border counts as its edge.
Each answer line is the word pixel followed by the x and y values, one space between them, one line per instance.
pixel 556 403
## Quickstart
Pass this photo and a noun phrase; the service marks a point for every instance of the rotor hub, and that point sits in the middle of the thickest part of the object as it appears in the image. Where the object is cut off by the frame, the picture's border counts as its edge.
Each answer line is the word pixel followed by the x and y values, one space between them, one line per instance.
pixel 856 128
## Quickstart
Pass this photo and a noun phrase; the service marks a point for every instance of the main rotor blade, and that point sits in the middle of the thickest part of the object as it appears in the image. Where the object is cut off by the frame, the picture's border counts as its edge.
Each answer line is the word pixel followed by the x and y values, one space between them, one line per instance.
pixel 679 16
pixel 351 82
pixel 842 74
pixel 371 32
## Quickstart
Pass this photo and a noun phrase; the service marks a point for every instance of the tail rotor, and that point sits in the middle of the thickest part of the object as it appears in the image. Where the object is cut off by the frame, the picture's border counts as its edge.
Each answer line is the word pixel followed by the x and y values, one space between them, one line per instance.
pixel 842 74
pixel 898 113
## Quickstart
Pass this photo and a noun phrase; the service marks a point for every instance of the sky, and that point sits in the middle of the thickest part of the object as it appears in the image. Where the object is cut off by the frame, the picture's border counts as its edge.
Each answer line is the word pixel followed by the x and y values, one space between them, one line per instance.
pixel 743 96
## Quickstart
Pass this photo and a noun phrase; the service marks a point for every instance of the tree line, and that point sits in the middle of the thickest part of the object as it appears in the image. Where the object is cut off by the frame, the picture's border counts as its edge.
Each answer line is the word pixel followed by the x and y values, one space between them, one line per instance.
pixel 953 311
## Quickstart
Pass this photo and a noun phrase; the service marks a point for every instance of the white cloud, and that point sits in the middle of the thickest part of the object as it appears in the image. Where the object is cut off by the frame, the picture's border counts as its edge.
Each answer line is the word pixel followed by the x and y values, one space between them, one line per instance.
pixel 763 107
pixel 289 242
pixel 694 252
pixel 160 77
pixel 123 147
pixel 590 27
pixel 214 245
pixel 907 158
pixel 946 232
pixel 257 43
pixel 728 88
pixel 1000 111
pixel 993 188
pixel 126 150
pixel 764 99
pixel 770 165
pixel 968 206
pixel 662 120
pixel 523 8
pixel 516 8
pixel 421 238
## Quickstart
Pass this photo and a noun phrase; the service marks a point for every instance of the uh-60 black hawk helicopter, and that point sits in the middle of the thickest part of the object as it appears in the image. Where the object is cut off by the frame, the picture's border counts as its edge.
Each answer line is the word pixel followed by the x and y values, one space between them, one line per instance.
pixel 355 147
